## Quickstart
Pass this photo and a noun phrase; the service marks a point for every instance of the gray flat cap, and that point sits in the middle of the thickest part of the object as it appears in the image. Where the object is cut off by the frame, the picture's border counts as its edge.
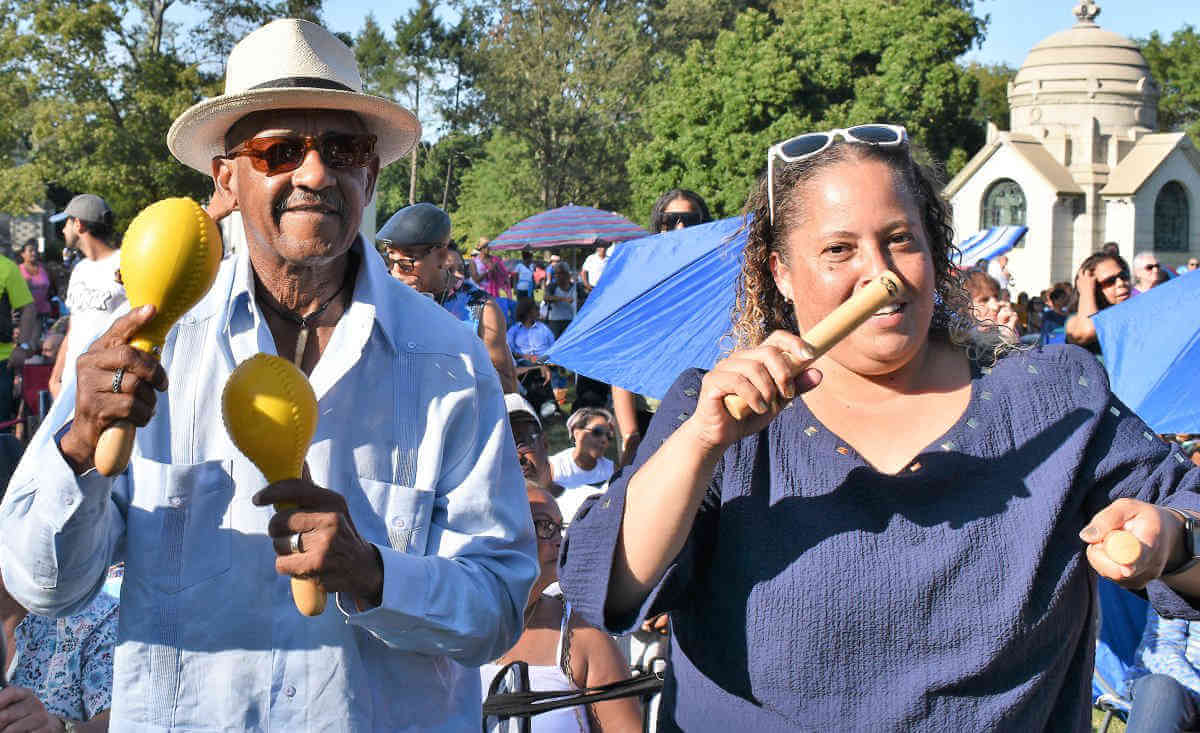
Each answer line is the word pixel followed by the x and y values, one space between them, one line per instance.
pixel 91 208
pixel 417 224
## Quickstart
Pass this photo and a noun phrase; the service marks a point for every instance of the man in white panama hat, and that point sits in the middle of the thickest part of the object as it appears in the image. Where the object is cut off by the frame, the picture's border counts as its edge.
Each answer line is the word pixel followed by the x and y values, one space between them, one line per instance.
pixel 411 515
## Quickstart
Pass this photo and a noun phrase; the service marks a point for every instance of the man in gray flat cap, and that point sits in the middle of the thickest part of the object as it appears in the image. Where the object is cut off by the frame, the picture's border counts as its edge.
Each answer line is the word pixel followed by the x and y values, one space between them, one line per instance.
pixel 416 242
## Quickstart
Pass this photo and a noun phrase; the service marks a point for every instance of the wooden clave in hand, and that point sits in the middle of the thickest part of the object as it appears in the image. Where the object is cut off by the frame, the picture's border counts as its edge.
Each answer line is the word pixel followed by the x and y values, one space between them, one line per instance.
pixel 270 411
pixel 837 325
pixel 169 259
pixel 1122 547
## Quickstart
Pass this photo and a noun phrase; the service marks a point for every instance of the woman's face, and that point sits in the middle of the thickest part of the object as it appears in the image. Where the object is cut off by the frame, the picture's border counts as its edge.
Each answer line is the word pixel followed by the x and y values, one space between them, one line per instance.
pixel 855 224
pixel 679 214
pixel 28 254
pixel 458 271
pixel 547 521
pixel 985 304
pixel 593 437
pixel 1112 281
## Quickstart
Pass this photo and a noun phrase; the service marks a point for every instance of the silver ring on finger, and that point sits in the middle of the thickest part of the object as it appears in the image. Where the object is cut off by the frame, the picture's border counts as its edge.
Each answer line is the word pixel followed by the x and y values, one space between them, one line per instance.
pixel 294 544
pixel 118 376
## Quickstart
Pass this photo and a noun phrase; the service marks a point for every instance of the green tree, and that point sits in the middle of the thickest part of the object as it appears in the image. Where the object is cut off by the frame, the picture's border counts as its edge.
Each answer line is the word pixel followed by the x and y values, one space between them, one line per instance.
pixel 454 152
pixel 566 78
pixel 498 190
pixel 815 65
pixel 1175 65
pixel 418 37
pixel 991 102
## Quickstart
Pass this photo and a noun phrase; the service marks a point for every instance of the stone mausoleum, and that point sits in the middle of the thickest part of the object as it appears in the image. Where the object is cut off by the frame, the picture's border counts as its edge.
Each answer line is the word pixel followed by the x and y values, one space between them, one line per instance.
pixel 1084 162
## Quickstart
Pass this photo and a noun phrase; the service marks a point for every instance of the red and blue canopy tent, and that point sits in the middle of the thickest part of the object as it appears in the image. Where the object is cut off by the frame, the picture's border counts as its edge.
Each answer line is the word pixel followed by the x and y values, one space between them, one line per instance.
pixel 569 226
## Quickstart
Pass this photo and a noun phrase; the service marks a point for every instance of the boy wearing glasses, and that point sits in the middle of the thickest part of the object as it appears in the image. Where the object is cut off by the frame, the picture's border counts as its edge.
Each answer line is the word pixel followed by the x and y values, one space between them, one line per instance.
pixel 411 513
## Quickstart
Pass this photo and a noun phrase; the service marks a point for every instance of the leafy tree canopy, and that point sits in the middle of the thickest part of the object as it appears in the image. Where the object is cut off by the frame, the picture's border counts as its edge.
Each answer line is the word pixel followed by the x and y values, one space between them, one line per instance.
pixel 1175 64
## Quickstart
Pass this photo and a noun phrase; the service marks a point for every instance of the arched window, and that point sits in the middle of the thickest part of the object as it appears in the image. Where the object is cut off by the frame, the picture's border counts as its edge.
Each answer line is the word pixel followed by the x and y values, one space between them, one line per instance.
pixel 1003 205
pixel 1171 219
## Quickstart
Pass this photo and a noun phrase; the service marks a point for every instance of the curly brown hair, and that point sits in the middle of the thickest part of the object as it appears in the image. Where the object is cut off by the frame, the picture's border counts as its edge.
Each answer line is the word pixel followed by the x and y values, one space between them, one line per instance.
pixel 761 309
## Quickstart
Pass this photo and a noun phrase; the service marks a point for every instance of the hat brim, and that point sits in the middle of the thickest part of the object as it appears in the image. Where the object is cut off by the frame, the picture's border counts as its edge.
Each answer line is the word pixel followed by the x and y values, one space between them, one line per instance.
pixel 198 135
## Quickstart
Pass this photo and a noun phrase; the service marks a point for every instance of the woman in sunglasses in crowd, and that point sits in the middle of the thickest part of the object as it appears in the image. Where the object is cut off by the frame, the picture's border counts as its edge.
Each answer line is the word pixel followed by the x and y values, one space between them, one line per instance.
pixel 1102 281
pixel 898 535
pixel 583 466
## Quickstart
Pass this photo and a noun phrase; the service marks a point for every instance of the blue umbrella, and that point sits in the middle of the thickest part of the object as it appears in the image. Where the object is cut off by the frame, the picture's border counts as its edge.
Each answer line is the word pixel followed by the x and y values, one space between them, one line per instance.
pixel 989 243
pixel 569 226
pixel 1151 345
pixel 663 304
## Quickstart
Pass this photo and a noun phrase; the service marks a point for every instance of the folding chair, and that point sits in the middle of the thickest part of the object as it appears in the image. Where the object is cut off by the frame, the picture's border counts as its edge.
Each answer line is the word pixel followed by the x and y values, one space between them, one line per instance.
pixel 1122 618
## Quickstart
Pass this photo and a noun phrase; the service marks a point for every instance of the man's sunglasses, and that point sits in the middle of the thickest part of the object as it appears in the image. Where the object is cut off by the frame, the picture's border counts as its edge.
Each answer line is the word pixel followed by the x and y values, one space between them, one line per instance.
pixel 599 432
pixel 672 219
pixel 809 144
pixel 406 264
pixel 1111 280
pixel 1152 266
pixel 547 529
pixel 273 154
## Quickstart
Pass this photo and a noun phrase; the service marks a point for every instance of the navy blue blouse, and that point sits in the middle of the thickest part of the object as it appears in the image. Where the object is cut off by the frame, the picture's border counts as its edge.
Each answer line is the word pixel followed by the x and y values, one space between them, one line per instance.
pixel 816 592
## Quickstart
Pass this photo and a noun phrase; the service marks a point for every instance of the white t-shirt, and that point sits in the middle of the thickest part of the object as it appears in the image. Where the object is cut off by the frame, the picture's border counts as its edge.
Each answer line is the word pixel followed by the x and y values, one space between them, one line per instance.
pixel 524 277
pixel 563 310
pixel 594 267
pixel 93 295
pixel 996 270
pixel 569 475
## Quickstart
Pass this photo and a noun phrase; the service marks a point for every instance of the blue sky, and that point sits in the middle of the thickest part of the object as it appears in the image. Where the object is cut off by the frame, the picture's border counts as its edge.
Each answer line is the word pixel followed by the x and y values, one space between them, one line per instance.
pixel 1015 24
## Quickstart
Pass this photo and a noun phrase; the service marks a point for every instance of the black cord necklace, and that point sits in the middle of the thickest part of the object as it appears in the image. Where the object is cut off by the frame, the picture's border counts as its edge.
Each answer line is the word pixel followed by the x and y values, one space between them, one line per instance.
pixel 308 323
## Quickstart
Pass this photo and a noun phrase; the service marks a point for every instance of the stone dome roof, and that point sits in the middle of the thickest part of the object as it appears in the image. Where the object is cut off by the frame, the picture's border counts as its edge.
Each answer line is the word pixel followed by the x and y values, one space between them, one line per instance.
pixel 1084 66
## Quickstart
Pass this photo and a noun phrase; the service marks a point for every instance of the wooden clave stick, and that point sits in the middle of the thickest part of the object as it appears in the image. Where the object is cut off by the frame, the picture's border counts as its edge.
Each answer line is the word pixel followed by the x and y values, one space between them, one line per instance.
pixel 1122 547
pixel 837 325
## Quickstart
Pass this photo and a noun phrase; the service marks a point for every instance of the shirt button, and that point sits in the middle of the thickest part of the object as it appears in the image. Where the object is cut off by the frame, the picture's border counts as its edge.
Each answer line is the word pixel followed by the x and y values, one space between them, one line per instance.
pixel 398 523
pixel 412 345
pixel 69 501
pixel 289 691
pixel 176 502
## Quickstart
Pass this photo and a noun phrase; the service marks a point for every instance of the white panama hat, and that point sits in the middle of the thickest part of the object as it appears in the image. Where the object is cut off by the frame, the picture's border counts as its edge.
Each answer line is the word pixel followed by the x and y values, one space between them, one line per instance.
pixel 289 64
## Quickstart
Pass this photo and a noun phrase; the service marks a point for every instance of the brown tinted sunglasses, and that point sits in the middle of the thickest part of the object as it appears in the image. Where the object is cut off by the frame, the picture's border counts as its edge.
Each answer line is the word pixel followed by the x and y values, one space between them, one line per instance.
pixel 274 154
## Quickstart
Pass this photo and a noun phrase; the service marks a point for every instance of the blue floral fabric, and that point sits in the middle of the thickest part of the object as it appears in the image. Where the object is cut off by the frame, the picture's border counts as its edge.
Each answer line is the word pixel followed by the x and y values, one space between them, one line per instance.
pixel 68 662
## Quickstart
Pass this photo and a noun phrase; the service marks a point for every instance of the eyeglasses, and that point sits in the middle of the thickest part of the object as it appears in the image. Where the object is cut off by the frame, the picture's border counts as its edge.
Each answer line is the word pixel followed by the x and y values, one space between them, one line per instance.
pixel 599 432
pixel 1152 266
pixel 672 219
pixel 1111 280
pixel 406 264
pixel 809 144
pixel 275 154
pixel 547 529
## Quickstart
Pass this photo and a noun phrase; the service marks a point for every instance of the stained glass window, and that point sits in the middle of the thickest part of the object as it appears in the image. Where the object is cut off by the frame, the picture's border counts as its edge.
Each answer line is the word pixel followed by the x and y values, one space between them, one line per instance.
pixel 1003 205
pixel 1171 219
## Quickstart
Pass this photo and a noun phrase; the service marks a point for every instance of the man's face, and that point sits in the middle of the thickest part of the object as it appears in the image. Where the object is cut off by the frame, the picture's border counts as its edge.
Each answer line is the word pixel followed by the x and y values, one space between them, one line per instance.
pixel 308 215
pixel 422 267
pixel 1193 264
pixel 1147 272
pixel 71 232
pixel 531 449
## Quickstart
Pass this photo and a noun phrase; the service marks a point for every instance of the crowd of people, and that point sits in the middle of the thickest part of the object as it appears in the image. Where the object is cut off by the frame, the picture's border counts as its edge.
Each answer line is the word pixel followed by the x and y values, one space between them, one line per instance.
pixel 903 532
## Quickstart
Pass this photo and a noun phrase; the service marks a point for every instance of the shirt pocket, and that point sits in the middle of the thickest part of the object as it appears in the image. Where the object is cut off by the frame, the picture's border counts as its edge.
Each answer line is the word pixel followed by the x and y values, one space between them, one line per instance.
pixel 407 513
pixel 178 528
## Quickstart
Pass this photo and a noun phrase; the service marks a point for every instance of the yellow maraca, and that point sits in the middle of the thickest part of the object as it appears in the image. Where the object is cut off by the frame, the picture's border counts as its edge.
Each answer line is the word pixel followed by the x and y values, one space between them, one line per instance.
pixel 169 259
pixel 270 411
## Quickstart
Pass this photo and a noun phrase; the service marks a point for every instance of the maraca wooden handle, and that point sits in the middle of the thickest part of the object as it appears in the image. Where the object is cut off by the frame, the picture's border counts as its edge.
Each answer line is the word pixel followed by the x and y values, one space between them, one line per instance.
pixel 837 325
pixel 114 448
pixel 1122 547
pixel 308 596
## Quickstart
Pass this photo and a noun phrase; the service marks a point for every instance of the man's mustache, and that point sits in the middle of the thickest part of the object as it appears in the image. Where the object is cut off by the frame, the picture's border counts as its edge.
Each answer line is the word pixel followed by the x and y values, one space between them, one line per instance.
pixel 327 198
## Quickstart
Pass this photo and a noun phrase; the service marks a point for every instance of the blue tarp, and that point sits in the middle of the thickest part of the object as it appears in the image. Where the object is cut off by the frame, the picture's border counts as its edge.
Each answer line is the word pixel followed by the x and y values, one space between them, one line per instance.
pixel 989 243
pixel 664 304
pixel 1151 346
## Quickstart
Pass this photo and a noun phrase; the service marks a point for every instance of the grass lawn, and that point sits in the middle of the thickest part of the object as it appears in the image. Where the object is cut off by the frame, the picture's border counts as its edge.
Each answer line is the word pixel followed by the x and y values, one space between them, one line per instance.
pixel 1098 717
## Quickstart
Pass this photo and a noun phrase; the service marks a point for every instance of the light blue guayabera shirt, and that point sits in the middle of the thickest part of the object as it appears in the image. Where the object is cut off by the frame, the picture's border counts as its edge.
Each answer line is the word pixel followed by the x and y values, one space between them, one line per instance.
pixel 412 431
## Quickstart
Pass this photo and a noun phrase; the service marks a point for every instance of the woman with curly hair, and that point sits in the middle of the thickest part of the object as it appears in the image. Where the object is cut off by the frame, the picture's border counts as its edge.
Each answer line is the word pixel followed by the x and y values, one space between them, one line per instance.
pixel 1102 280
pixel 898 536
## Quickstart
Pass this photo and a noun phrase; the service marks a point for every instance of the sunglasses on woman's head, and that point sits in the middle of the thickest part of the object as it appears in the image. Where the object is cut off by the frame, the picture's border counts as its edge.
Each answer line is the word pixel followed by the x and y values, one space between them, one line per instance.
pixel 274 154
pixel 672 219
pixel 803 147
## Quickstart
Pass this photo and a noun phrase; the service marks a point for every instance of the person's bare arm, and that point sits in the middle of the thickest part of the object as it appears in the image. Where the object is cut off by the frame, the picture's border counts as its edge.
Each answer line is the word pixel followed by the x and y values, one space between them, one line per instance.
pixel 60 362
pixel 596 660
pixel 98 724
pixel 1080 329
pixel 493 330
pixel 663 496
pixel 625 409
pixel 31 327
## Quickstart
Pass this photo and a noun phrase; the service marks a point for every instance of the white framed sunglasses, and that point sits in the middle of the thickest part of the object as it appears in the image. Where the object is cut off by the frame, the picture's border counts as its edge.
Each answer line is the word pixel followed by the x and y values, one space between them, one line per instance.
pixel 808 144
